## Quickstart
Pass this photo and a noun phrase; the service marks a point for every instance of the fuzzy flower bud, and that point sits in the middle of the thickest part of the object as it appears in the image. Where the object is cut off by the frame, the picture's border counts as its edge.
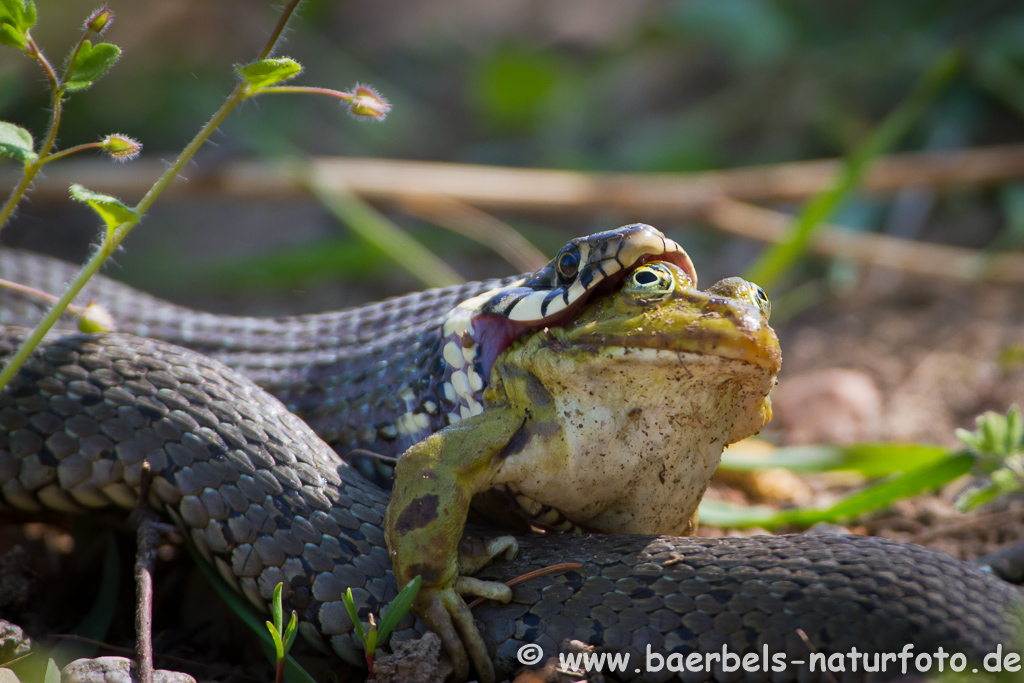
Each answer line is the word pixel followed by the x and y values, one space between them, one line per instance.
pixel 121 147
pixel 99 20
pixel 95 318
pixel 367 102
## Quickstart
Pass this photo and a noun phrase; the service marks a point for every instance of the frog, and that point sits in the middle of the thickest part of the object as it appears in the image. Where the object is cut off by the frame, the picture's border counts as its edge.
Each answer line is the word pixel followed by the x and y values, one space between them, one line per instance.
pixel 615 419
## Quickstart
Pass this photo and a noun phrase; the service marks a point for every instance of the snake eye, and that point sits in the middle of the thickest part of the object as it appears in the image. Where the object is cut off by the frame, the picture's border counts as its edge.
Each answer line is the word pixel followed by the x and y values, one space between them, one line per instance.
pixel 568 262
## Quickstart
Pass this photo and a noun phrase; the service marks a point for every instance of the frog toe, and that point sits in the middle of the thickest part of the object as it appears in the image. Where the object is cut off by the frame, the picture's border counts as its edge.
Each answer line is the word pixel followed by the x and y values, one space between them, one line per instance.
pixel 447 615
pixel 491 590
pixel 475 553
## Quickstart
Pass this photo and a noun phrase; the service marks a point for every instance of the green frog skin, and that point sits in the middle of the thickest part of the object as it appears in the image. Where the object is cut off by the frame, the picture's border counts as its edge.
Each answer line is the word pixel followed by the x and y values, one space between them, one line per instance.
pixel 617 421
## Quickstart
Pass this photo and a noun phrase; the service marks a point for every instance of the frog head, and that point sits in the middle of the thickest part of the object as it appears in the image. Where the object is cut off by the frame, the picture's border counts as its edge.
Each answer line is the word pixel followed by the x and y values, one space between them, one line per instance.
pixel 630 403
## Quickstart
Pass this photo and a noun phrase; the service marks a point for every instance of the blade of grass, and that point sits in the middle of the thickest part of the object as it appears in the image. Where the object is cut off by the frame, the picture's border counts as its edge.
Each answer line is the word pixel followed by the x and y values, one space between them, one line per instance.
pixel 398 608
pixel 774 262
pixel 293 672
pixel 96 623
pixel 930 476
pixel 868 459
pixel 374 228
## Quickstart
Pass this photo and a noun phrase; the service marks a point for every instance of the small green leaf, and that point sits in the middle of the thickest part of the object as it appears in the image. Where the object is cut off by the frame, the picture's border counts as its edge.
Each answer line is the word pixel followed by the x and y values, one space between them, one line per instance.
pixel 371 640
pixel 110 209
pixel 19 15
pixel 12 37
pixel 1014 429
pixel 289 633
pixel 91 63
pixel 350 606
pixel 398 608
pixel 268 72
pixel 276 610
pixel 16 142
pixel 52 672
pixel 278 645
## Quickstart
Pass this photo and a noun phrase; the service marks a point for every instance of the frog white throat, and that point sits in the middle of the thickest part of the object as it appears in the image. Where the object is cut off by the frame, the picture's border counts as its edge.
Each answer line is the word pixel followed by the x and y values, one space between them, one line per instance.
pixel 636 436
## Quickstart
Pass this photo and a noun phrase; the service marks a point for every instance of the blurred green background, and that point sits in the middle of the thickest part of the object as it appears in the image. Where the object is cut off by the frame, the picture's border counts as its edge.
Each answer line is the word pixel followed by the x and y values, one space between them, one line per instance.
pixel 684 85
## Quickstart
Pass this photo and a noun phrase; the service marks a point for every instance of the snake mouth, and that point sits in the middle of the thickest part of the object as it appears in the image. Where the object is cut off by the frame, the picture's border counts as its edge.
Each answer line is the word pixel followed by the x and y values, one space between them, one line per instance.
pixel 494 332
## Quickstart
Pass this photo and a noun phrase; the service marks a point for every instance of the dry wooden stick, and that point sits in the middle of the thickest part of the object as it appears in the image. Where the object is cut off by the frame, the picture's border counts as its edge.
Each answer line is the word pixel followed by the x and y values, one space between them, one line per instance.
pixel 149 532
pixel 643 196
pixel 934 260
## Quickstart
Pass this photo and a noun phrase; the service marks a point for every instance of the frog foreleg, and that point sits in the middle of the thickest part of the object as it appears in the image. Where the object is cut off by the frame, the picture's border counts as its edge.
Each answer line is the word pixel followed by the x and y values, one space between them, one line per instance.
pixel 435 480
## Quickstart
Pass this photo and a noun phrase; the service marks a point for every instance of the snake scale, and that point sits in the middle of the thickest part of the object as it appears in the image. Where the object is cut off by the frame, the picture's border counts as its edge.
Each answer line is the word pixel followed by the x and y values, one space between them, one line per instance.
pixel 267 500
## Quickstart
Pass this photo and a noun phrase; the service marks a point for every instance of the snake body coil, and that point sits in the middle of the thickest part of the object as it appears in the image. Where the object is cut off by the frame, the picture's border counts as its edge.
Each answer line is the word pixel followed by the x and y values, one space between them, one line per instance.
pixel 267 501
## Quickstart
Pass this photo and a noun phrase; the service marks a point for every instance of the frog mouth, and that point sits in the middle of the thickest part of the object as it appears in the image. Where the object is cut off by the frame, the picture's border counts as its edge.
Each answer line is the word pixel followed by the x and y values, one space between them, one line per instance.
pixel 495 332
pixel 750 342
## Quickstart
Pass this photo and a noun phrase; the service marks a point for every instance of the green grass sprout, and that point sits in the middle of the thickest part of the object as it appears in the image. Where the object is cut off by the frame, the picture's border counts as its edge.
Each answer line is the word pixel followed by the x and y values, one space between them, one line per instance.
pixel 283 636
pixel 394 613
pixel 997 445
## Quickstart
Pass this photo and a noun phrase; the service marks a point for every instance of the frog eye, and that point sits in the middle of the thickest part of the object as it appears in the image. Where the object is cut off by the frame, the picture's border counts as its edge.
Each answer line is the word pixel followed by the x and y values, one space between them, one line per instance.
pixel 568 263
pixel 738 288
pixel 651 282
pixel 762 301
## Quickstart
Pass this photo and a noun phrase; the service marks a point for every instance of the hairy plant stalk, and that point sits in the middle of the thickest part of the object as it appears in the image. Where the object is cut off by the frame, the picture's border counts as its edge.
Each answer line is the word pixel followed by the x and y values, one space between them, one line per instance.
pixel 32 168
pixel 117 235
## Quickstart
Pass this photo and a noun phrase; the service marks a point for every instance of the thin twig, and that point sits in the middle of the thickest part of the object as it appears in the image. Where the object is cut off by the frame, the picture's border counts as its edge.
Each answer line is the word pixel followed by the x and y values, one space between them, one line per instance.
pixel 45 297
pixel 934 260
pixel 150 531
pixel 529 576
pixel 972 523
pixel 389 459
pixel 810 646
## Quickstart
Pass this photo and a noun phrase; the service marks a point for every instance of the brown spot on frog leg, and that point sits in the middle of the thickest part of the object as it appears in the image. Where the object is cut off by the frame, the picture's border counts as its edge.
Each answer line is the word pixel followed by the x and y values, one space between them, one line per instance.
pixel 417 514
pixel 427 573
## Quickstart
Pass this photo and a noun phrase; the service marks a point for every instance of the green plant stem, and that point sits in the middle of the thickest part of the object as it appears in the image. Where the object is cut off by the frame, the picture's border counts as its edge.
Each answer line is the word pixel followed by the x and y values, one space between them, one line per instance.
pixel 73 57
pixel 117 235
pixel 36 54
pixel 32 168
pixel 275 35
pixel 237 95
pixel 70 150
pixel 51 318
pixel 17 193
pixel 308 90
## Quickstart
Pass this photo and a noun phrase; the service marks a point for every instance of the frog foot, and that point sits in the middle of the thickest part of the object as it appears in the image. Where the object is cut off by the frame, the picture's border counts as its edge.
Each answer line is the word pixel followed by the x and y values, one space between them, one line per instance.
pixel 444 610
